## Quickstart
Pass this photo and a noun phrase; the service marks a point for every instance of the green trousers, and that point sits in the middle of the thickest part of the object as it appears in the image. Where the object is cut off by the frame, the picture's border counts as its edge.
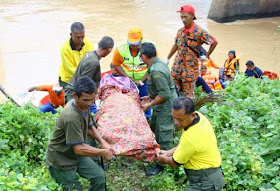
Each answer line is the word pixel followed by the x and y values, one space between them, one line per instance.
pixel 91 141
pixel 162 125
pixel 205 180
pixel 86 168
pixel 68 95
pixel 61 83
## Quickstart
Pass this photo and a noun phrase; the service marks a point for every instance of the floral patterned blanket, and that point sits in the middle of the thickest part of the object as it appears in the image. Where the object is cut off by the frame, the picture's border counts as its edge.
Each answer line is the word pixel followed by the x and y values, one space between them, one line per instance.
pixel 122 123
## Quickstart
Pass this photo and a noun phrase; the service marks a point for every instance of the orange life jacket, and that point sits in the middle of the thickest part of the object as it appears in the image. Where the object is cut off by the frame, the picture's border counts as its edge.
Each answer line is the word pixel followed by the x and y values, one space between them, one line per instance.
pixel 212 82
pixel 271 75
pixel 230 66
pixel 208 63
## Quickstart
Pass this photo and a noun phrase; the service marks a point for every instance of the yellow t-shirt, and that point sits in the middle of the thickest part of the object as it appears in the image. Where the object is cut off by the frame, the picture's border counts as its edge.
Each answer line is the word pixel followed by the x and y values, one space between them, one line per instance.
pixel 198 148
pixel 70 59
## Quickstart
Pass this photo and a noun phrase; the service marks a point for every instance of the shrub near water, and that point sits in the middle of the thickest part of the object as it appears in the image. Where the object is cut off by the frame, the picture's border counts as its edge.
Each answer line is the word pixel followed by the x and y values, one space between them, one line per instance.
pixel 247 126
pixel 24 134
pixel 248 131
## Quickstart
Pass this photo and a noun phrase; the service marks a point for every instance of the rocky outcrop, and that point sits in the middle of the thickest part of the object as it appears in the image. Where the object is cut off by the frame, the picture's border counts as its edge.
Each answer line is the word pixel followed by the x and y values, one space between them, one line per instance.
pixel 231 10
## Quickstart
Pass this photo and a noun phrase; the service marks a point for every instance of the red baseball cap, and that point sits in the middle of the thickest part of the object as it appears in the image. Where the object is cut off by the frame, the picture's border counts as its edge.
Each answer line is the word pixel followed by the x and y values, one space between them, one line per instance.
pixel 187 9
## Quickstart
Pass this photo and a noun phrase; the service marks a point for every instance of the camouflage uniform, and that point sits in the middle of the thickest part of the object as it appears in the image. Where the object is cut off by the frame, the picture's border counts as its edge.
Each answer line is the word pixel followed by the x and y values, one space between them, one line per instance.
pixel 185 69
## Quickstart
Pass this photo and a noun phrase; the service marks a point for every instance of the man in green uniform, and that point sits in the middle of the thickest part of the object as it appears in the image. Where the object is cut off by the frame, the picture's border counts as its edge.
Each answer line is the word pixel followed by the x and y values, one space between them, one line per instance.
pixel 67 153
pixel 197 149
pixel 162 93
pixel 90 65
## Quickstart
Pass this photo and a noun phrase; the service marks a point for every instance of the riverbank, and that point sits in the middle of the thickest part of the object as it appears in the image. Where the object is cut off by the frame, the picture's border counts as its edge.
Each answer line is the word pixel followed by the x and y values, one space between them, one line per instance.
pixel 246 124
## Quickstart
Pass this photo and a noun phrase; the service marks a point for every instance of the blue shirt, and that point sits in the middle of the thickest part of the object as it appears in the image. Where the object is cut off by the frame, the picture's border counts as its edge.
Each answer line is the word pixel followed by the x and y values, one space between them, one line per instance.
pixel 256 72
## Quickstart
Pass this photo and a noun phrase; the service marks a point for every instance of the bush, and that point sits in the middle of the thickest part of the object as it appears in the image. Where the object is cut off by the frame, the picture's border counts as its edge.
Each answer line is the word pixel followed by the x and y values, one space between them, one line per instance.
pixel 24 134
pixel 247 126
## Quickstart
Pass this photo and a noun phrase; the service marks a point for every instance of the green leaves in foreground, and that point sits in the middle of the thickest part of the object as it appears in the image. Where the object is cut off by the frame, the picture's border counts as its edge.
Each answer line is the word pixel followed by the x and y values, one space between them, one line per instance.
pixel 24 134
pixel 246 122
pixel 247 126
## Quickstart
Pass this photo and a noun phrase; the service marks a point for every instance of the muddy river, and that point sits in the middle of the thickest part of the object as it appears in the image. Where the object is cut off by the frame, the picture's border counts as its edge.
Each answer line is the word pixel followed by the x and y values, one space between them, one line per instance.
pixel 32 32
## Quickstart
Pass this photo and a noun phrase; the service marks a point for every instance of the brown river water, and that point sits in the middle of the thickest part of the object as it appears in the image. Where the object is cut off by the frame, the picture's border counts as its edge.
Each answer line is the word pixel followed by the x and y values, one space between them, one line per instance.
pixel 32 32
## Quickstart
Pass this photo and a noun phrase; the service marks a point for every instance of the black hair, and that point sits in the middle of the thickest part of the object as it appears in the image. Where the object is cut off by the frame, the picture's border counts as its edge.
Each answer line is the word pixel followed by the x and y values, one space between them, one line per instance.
pixel 250 63
pixel 86 85
pixel 106 42
pixel 77 26
pixel 203 67
pixel 148 49
pixel 184 102
pixel 232 52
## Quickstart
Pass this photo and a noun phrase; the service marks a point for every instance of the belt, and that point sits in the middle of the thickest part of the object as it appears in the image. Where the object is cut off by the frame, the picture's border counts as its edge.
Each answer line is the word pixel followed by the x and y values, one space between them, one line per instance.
pixel 208 171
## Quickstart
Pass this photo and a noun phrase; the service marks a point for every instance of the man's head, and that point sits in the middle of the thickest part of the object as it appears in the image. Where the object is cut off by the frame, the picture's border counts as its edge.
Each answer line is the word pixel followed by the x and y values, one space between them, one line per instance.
pixel 57 89
pixel 231 54
pixel 85 92
pixel 134 38
pixel 203 70
pixel 77 33
pixel 250 65
pixel 147 52
pixel 105 45
pixel 183 112
pixel 187 14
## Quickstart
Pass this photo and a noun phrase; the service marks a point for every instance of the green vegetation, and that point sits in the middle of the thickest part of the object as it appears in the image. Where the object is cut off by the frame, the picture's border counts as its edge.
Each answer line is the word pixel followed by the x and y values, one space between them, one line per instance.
pixel 24 134
pixel 248 130
pixel 247 125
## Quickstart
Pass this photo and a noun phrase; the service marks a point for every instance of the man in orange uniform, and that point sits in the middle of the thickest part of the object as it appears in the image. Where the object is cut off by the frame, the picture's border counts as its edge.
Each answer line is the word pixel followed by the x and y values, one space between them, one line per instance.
pixel 210 79
pixel 189 38
pixel 56 97
pixel 127 62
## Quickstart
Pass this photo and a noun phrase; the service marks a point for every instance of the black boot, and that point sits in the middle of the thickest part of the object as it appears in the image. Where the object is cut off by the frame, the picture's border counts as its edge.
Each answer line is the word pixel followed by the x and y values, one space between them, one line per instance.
pixel 155 170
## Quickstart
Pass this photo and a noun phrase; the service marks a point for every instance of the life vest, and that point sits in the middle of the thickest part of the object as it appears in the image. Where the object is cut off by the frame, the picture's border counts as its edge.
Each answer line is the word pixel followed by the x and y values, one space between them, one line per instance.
pixel 271 75
pixel 208 63
pixel 230 66
pixel 134 67
pixel 212 82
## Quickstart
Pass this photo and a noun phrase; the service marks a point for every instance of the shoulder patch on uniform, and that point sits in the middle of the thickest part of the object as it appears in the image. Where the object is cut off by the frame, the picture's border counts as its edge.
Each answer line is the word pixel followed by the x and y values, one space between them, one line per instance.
pixel 156 76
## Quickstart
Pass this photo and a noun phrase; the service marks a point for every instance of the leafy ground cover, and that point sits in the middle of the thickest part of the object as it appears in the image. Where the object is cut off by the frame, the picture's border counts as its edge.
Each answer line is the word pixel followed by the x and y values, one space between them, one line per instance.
pixel 24 133
pixel 247 125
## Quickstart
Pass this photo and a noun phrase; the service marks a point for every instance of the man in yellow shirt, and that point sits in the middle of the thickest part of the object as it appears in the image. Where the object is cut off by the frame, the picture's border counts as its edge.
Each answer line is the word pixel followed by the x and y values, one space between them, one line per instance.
pixel 72 51
pixel 197 149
